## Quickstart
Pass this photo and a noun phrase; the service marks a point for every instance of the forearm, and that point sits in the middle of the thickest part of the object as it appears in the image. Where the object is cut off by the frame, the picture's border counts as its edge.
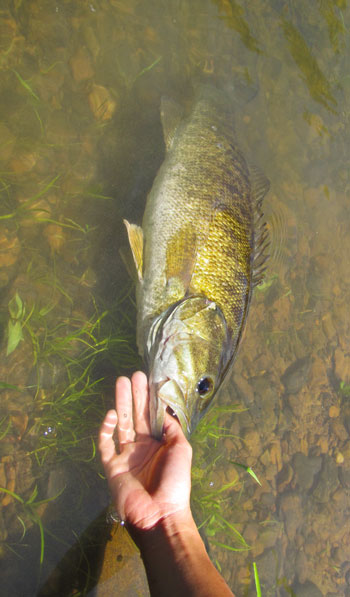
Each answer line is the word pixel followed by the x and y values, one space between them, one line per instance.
pixel 176 561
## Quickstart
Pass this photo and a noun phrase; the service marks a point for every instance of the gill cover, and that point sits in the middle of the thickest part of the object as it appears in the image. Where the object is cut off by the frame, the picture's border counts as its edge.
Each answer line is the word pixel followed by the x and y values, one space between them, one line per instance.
pixel 187 351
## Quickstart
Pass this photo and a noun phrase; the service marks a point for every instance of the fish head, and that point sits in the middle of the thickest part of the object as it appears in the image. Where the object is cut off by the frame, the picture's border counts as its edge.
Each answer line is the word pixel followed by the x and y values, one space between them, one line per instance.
pixel 188 353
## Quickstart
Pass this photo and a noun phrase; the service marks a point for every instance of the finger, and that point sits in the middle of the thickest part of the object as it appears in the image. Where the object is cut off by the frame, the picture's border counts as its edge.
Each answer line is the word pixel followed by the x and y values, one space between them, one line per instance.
pixel 141 403
pixel 106 443
pixel 123 402
pixel 173 431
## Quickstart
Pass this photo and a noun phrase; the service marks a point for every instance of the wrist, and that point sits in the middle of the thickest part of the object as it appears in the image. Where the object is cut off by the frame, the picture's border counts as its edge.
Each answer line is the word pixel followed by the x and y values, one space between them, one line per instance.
pixel 176 560
pixel 174 537
pixel 167 529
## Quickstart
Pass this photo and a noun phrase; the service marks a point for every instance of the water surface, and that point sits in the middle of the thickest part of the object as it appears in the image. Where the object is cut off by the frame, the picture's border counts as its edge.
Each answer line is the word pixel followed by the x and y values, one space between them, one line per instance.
pixel 81 142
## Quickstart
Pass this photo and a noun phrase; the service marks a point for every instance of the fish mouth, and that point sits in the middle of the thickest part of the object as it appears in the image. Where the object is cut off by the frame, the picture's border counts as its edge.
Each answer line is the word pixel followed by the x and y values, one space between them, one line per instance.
pixel 167 396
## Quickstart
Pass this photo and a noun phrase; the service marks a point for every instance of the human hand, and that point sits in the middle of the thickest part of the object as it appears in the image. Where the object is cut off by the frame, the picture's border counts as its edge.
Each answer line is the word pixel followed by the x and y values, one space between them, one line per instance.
pixel 149 480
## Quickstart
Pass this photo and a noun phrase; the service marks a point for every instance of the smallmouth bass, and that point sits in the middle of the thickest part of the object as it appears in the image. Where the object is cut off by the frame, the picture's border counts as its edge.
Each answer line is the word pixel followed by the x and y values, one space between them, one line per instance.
pixel 198 255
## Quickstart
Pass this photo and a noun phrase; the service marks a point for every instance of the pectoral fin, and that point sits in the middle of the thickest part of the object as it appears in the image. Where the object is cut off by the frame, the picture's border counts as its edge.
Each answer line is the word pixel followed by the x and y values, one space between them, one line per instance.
pixel 135 235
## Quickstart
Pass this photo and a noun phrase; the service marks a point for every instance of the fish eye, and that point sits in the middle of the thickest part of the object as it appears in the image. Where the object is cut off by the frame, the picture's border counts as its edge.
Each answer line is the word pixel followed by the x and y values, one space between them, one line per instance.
pixel 205 386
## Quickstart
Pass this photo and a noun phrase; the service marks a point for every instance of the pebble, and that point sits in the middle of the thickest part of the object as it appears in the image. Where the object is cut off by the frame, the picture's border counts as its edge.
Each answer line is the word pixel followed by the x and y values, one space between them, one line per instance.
pixel 339 458
pixel 9 248
pixel 24 162
pixel 20 423
pixel 251 532
pixel 328 481
pixel 342 365
pixel 266 564
pixel 7 142
pixel 344 477
pixel 306 468
pixel 295 376
pixel 292 513
pixel 101 103
pixel 334 411
pixel 339 430
pixel 284 477
pixel 307 589
pixel 252 440
pixel 276 456
pixel 81 65
pixel 301 566
pixel 55 237
pixel 328 327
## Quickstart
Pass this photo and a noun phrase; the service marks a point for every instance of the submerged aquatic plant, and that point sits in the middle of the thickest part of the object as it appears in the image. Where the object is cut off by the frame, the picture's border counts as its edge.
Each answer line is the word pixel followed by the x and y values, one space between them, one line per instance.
pixel 69 388
pixel 28 511
pixel 74 360
pixel 209 502
pixel 256 580
pixel 344 388
pixel 15 323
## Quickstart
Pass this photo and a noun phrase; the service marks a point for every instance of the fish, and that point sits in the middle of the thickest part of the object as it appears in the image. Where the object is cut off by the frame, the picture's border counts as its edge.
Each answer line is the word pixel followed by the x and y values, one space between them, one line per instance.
pixel 199 253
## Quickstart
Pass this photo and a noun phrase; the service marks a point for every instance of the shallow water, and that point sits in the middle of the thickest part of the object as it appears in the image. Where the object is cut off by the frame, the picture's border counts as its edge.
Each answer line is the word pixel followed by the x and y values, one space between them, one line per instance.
pixel 81 143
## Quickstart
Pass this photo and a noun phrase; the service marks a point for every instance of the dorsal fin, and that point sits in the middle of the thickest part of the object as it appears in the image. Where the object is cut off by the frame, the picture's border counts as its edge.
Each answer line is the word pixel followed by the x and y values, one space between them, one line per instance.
pixel 135 235
pixel 171 115
pixel 260 186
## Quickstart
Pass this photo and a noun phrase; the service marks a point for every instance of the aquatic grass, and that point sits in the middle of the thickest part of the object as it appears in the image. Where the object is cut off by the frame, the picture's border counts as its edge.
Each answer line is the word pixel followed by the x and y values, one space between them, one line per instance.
pixel 29 507
pixel 23 209
pixel 256 580
pixel 5 426
pixel 247 469
pixel 26 85
pixel 69 354
pixel 209 426
pixel 209 502
pixel 67 223
pixel 344 389
pixel 15 324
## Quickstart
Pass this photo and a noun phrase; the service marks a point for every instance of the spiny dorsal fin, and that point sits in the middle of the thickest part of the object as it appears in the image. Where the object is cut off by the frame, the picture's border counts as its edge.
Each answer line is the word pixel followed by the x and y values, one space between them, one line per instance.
pixel 171 115
pixel 259 182
pixel 135 235
pixel 260 186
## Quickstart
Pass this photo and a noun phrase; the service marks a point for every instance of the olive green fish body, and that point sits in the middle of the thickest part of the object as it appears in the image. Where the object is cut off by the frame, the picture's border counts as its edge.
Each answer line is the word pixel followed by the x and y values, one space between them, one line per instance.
pixel 196 264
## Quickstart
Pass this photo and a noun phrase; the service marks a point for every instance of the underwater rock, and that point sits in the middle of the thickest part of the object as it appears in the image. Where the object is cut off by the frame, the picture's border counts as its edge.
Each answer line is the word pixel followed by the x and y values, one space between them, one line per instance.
pixel 328 481
pixel 57 482
pixel 339 430
pixel 7 142
pixel 55 237
pixel 9 248
pixel 339 458
pixel 252 440
pixel 291 513
pixel 328 326
pixel 101 103
pixel 19 421
pixel 306 467
pixel 334 412
pixel 301 566
pixel 344 477
pixel 81 65
pixel 284 477
pixel 342 365
pixel 267 565
pixel 307 589
pixel 23 162
pixel 295 376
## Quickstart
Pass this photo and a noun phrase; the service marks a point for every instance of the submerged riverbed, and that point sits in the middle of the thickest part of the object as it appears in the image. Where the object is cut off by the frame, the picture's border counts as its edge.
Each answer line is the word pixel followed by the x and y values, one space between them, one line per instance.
pixel 81 142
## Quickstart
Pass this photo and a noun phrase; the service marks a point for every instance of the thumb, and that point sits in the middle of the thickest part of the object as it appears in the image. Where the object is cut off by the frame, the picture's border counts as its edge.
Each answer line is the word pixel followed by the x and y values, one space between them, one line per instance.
pixel 173 431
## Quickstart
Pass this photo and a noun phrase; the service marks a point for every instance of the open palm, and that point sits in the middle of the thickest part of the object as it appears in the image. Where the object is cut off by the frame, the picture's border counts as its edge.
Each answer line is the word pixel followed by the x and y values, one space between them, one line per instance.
pixel 149 480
